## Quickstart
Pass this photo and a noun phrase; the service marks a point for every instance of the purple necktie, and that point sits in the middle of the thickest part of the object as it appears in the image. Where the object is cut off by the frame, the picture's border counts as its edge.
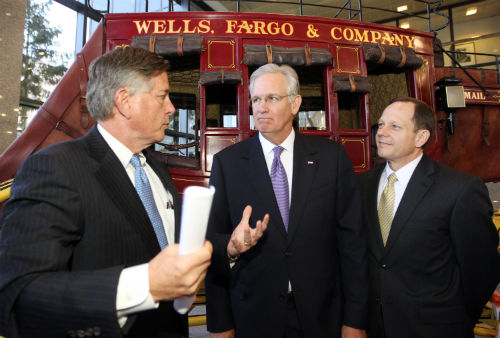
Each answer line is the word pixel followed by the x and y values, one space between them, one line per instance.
pixel 280 185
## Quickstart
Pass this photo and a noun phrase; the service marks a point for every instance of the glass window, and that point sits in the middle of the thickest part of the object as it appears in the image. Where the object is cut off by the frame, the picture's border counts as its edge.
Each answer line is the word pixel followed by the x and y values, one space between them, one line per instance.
pixel 182 136
pixel 221 107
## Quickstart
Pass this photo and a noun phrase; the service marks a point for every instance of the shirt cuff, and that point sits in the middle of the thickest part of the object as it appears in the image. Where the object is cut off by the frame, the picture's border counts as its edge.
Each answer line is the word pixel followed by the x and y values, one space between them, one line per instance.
pixel 133 292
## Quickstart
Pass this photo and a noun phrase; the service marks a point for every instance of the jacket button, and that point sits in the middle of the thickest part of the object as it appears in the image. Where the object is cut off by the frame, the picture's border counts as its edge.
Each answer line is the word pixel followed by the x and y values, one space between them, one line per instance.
pixel 282 297
pixel 288 253
pixel 383 266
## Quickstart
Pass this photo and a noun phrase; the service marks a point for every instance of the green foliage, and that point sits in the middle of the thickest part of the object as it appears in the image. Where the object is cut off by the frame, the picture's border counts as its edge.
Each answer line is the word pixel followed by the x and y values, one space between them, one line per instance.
pixel 43 65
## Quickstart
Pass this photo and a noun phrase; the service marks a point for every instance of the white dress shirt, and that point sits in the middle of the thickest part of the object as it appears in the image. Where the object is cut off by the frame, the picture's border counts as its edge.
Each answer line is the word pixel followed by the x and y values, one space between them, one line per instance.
pixel 403 174
pixel 133 287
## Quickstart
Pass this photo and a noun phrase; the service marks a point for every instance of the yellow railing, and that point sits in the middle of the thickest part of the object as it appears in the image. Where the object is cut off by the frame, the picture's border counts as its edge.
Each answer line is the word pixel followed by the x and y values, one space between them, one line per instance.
pixel 5 191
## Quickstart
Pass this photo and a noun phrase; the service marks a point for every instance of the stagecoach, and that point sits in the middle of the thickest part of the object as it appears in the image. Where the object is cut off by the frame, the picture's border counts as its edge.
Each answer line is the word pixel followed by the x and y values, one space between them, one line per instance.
pixel 349 71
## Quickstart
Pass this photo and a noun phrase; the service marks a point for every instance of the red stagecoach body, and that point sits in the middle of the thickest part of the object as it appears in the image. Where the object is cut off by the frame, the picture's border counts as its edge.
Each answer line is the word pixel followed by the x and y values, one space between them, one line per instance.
pixel 348 71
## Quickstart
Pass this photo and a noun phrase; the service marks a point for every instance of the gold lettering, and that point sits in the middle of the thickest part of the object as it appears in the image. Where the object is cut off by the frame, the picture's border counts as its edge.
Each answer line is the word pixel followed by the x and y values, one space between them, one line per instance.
pixel 159 26
pixel 387 37
pixel 481 96
pixel 467 95
pixel 186 27
pixel 376 36
pixel 348 34
pixel 260 27
pixel 410 40
pixel 273 28
pixel 287 29
pixel 142 26
pixel 474 96
pixel 244 25
pixel 231 25
pixel 360 37
pixel 398 40
pixel 171 27
pixel 204 26
pixel 334 36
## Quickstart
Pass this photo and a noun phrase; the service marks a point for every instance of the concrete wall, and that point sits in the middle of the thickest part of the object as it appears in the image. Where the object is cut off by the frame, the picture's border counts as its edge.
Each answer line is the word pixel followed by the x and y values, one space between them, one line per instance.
pixel 12 17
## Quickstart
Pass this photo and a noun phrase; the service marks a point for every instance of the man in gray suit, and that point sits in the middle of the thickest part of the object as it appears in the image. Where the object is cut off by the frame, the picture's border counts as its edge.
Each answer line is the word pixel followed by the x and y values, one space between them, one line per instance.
pixel 80 247
pixel 432 245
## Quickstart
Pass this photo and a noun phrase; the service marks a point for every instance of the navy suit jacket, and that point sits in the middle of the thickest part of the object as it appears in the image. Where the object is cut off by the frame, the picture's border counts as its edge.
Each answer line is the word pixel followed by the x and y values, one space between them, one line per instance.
pixel 440 264
pixel 323 254
pixel 73 222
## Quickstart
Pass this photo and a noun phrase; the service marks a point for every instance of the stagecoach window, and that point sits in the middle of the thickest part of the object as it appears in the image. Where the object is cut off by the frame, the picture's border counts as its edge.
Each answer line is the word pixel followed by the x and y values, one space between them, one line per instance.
pixel 182 130
pixel 312 114
pixel 181 143
pixel 221 107
pixel 349 110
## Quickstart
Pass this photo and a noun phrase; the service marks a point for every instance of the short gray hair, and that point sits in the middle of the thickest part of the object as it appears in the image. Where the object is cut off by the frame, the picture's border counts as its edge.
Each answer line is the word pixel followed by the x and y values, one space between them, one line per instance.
pixel 292 79
pixel 133 68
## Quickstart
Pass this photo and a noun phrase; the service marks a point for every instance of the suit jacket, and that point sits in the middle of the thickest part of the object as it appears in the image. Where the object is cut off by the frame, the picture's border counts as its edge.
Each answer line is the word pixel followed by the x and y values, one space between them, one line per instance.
pixel 440 264
pixel 73 222
pixel 323 254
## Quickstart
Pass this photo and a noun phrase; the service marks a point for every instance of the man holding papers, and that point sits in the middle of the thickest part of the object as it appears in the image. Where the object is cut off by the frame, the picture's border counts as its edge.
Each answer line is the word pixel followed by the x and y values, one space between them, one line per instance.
pixel 83 232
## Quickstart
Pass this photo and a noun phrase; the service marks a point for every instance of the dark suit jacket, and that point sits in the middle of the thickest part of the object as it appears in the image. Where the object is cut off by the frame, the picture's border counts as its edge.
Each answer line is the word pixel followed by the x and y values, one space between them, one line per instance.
pixel 440 264
pixel 73 222
pixel 323 254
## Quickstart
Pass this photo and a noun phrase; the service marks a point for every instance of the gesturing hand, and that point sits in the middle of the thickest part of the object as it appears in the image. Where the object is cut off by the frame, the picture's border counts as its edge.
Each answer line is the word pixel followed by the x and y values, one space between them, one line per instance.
pixel 243 236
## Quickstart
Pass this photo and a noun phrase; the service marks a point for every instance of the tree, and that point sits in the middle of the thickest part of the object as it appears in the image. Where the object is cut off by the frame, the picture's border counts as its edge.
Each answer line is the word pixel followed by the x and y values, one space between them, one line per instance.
pixel 43 65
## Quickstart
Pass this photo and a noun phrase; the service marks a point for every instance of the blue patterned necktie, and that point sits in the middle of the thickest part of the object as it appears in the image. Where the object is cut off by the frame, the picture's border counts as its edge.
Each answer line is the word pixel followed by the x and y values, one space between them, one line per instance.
pixel 280 185
pixel 146 194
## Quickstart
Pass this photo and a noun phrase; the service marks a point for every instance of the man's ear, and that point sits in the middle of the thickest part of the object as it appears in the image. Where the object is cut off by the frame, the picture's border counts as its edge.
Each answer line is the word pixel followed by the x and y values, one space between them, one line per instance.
pixel 122 97
pixel 296 102
pixel 422 137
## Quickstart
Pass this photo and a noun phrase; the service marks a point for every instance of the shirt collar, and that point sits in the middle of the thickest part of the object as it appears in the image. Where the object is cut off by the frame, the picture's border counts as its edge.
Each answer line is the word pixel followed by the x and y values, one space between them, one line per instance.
pixel 123 153
pixel 287 144
pixel 404 173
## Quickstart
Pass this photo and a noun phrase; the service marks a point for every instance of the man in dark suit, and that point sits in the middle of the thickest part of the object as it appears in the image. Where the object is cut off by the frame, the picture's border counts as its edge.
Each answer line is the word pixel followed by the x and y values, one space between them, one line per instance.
pixel 78 252
pixel 433 258
pixel 301 271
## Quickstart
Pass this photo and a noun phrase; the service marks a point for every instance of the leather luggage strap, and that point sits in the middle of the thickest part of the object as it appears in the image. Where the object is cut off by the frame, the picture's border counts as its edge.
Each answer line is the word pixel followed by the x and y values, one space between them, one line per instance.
pixel 403 57
pixel 353 83
pixel 382 54
pixel 307 51
pixel 84 113
pixel 269 53
pixel 180 41
pixel 152 43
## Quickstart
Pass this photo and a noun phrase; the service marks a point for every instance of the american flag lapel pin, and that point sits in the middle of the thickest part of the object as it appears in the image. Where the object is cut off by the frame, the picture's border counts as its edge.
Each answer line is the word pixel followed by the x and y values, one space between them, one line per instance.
pixel 310 162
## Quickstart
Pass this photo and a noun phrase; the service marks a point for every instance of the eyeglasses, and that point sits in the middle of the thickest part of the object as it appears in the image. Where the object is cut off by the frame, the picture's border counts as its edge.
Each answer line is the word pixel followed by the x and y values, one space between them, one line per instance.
pixel 270 100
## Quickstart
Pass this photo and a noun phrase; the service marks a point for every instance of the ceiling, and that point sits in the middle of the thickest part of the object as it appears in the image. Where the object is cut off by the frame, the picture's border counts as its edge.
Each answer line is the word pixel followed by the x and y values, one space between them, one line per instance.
pixel 386 12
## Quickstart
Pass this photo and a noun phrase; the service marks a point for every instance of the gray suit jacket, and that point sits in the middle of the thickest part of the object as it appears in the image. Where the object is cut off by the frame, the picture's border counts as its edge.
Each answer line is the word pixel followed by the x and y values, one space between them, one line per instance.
pixel 73 222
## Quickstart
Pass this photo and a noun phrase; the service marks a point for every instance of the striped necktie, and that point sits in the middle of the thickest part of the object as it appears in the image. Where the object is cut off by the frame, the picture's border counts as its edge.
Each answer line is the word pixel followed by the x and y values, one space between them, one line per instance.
pixel 280 185
pixel 146 194
pixel 386 207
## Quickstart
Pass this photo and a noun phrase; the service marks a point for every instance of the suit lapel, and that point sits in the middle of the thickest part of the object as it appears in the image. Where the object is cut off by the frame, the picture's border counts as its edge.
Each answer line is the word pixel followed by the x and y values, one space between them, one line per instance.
pixel 115 181
pixel 258 174
pixel 304 168
pixel 419 184
pixel 375 236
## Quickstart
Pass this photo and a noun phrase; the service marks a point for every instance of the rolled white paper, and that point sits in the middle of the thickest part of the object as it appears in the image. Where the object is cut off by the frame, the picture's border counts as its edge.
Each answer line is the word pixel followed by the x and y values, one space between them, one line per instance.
pixel 196 204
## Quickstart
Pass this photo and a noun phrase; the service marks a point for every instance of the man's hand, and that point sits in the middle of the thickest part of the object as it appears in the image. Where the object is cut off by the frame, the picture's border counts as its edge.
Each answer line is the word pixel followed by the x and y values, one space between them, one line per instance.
pixel 172 276
pixel 350 332
pixel 244 237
